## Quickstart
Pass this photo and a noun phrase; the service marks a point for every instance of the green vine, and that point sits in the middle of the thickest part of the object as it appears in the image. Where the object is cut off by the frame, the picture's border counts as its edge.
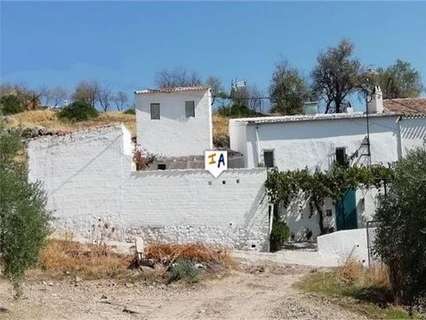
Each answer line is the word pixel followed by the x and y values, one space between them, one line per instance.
pixel 285 186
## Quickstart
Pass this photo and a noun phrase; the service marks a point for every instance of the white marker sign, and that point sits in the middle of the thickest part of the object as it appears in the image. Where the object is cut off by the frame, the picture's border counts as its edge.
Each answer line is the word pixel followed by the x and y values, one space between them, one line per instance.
pixel 215 161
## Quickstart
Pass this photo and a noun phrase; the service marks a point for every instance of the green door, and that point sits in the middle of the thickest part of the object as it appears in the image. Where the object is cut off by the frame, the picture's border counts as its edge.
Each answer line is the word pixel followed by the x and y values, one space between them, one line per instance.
pixel 346 217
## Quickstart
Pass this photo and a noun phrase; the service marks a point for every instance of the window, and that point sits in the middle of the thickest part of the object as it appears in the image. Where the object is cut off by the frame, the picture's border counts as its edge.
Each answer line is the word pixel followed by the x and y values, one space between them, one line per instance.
pixel 341 157
pixel 268 158
pixel 189 109
pixel 161 166
pixel 155 111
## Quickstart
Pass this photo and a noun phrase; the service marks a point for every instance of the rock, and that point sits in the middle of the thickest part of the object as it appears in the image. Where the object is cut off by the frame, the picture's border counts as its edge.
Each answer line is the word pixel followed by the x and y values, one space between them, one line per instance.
pixel 199 266
pixel 126 310
pixel 4 310
pixel 104 297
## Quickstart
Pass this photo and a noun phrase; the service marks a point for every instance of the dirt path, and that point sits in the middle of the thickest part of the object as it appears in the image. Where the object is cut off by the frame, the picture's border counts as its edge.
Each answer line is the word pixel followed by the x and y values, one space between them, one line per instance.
pixel 241 295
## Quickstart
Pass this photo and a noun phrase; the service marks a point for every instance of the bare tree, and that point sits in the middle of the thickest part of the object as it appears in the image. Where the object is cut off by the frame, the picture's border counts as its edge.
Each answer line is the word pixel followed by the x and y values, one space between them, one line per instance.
pixel 104 97
pixel 120 100
pixel 178 77
pixel 86 91
pixel 336 75
pixel 216 85
pixel 57 95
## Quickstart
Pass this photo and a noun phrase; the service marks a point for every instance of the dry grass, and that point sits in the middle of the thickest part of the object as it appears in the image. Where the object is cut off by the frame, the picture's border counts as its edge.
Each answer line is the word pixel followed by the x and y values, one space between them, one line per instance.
pixel 220 130
pixel 168 253
pixel 353 272
pixel 87 261
pixel 48 119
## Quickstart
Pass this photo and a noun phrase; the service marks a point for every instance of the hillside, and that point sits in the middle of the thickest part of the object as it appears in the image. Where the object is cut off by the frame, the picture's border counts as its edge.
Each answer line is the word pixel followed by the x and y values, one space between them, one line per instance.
pixel 49 120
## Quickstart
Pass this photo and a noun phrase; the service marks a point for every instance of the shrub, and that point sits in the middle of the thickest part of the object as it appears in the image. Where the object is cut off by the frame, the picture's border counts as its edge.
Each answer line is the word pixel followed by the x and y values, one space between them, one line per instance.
pixel 78 111
pixel 11 104
pixel 237 110
pixel 183 270
pixel 130 111
pixel 279 234
pixel 24 220
pixel 401 232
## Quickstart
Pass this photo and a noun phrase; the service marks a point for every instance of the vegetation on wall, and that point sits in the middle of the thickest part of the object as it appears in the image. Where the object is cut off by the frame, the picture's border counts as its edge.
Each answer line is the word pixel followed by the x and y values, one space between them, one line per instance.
pixel 285 186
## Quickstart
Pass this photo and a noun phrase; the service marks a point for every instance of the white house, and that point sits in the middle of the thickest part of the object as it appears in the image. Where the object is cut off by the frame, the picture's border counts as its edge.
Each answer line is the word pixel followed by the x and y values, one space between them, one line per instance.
pixel 317 141
pixel 174 122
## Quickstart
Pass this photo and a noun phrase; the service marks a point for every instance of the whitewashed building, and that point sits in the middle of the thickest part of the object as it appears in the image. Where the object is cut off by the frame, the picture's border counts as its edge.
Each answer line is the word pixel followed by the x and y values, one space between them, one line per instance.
pixel 174 122
pixel 316 141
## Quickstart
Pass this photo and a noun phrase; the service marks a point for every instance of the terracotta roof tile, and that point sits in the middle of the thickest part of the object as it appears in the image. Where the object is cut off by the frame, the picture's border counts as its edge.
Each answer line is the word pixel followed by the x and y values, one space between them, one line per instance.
pixel 405 105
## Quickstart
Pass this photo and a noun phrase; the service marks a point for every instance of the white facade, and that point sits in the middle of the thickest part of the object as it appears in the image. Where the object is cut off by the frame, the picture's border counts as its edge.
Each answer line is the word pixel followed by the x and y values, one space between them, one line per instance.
pixel 175 133
pixel 298 142
pixel 93 192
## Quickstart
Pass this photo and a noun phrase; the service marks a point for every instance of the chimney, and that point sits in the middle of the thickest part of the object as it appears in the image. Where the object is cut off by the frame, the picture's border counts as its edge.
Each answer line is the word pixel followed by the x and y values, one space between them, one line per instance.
pixel 376 103
pixel 310 107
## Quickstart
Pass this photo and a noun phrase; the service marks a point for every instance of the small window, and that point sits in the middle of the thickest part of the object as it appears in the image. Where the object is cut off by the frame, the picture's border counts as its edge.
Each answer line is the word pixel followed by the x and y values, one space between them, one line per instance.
pixel 268 158
pixel 190 109
pixel 155 111
pixel 341 157
pixel 161 166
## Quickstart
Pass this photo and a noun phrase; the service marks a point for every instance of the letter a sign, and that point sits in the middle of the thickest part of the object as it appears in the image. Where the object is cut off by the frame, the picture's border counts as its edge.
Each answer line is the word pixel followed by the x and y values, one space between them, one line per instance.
pixel 215 161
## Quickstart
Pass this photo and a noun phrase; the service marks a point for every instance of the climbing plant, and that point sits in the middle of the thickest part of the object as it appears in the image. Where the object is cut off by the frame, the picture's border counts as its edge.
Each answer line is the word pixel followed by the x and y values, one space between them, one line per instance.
pixel 285 186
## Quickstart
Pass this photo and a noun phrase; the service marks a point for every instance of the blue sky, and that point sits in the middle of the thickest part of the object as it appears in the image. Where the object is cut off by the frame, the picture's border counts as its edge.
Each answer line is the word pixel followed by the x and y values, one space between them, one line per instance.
pixel 124 44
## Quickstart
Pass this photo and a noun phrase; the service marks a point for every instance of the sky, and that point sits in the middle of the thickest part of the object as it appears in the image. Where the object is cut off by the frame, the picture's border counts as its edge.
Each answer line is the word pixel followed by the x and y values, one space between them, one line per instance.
pixel 125 44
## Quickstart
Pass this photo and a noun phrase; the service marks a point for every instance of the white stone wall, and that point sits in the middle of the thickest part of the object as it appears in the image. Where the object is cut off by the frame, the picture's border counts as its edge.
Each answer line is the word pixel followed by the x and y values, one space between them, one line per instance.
pixel 94 193
pixel 174 134
pixel 413 134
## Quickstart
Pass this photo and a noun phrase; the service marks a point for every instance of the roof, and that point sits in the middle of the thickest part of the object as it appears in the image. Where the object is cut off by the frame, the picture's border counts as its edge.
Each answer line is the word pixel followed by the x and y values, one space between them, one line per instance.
pixel 405 105
pixel 172 90
pixel 314 117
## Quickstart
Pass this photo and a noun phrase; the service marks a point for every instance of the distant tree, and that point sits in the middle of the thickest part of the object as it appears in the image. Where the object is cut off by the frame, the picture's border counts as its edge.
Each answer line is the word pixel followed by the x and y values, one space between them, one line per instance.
pixel 104 97
pixel 24 220
pixel 78 111
pixel 336 75
pixel 216 85
pixel 240 96
pixel 57 95
pixel 178 77
pixel 29 98
pixel 399 80
pixel 10 104
pixel 86 91
pixel 120 100
pixel 288 90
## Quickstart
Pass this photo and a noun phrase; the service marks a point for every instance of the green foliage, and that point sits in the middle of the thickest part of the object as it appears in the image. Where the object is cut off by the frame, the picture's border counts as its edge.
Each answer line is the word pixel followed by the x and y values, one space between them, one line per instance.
pixel 24 219
pixel 288 90
pixel 184 270
pixel 285 186
pixel 401 231
pixel 11 104
pixel 130 111
pixel 279 234
pixel 399 80
pixel 78 111
pixel 336 75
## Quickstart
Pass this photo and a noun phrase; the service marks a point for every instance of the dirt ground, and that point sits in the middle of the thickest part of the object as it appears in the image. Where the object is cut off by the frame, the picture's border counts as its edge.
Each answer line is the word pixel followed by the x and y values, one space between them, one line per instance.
pixel 254 292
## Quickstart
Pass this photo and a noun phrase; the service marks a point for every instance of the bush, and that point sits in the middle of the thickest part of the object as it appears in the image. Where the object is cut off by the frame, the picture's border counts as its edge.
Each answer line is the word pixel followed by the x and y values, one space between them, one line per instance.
pixel 279 234
pixel 184 270
pixel 24 220
pixel 237 111
pixel 401 232
pixel 130 111
pixel 78 111
pixel 11 104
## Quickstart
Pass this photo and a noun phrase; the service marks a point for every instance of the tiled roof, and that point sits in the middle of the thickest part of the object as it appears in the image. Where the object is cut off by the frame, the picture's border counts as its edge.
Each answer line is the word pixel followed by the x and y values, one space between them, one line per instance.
pixel 172 90
pixel 315 117
pixel 405 105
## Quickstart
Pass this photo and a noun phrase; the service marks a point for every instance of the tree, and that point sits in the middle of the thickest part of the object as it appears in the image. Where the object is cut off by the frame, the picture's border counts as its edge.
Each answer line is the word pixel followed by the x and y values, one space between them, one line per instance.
pixel 336 75
pixel 24 220
pixel 10 104
pixel 399 80
pixel 86 91
pixel 177 78
pixel 401 231
pixel 120 100
pixel 78 111
pixel 216 85
pixel 57 95
pixel 288 90
pixel 104 97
